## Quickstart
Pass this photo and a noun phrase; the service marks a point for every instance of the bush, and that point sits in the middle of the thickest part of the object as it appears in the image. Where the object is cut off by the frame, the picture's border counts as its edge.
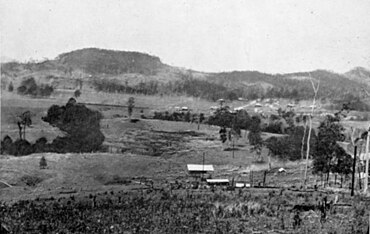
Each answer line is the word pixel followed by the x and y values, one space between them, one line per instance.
pixel 31 180
pixel 43 163
pixel 11 87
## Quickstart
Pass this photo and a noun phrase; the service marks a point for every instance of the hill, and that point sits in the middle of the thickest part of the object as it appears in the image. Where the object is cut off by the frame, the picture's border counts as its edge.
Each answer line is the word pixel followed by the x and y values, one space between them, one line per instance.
pixel 133 72
pixel 359 74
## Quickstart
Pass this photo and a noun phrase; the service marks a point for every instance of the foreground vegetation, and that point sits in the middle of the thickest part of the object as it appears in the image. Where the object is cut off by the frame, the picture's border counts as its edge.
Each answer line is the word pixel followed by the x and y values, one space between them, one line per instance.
pixel 189 211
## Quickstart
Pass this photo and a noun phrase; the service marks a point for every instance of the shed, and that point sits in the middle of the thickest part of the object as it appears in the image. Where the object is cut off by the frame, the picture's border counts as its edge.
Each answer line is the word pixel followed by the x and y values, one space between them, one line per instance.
pixel 242 185
pixel 199 168
pixel 218 181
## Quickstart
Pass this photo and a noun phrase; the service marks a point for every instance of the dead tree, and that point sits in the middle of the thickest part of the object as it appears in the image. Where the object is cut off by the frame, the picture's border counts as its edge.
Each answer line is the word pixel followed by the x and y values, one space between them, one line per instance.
pixel 315 90
pixel 23 120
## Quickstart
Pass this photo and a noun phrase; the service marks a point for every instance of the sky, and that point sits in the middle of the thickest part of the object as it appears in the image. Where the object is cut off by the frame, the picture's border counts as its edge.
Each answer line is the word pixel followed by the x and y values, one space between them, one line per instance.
pixel 273 36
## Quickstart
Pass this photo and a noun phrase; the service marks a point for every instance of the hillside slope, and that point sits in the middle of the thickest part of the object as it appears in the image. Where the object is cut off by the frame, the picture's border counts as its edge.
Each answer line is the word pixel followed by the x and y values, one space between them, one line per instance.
pixel 134 72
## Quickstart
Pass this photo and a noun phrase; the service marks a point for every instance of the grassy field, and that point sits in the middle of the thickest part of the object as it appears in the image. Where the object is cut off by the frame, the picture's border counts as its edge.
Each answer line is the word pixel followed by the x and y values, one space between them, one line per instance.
pixel 158 151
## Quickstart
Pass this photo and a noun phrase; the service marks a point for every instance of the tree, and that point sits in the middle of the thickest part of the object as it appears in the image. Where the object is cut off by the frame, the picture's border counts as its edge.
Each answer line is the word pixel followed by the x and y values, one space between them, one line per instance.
pixel 23 120
pixel 11 87
pixel 288 147
pixel 7 145
pixel 328 154
pixel 130 106
pixel 315 90
pixel 77 93
pixel 43 163
pixel 254 136
pixel 80 125
pixel 40 145
pixel 222 117
pixel 28 86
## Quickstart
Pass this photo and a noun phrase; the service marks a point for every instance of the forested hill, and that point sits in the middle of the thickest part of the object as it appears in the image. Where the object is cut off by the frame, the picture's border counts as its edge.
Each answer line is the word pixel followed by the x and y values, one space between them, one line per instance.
pixel 99 61
pixel 134 72
pixel 292 85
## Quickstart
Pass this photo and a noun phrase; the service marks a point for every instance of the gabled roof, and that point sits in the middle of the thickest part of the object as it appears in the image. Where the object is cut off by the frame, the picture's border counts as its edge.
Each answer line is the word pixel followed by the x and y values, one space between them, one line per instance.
pixel 200 167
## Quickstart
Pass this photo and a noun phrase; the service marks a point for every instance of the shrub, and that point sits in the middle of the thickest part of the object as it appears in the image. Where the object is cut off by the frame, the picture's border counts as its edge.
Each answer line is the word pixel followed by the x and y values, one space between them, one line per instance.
pixel 31 180
pixel 43 163
pixel 10 87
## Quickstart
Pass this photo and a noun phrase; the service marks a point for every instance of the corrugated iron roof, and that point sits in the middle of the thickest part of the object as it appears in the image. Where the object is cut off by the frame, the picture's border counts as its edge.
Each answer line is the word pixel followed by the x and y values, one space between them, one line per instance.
pixel 200 167
pixel 216 181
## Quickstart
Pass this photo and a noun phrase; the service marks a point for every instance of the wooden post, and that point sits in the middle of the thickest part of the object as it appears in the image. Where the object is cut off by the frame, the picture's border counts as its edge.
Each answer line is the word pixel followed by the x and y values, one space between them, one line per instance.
pixel 354 170
pixel 264 177
pixel 359 177
pixel 203 165
pixel 251 178
pixel 233 147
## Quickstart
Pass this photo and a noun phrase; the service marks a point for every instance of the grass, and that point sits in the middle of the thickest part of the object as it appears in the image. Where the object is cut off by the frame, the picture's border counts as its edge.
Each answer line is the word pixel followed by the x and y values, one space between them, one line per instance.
pixel 178 144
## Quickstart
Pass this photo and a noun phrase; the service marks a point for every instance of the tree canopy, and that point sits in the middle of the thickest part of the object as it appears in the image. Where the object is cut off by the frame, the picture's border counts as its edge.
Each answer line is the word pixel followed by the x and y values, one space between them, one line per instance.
pixel 80 125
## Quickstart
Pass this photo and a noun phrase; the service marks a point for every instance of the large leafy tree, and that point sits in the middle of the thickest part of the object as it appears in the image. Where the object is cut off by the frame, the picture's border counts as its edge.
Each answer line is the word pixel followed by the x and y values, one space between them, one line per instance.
pixel 289 147
pixel 254 136
pixel 329 156
pixel 80 125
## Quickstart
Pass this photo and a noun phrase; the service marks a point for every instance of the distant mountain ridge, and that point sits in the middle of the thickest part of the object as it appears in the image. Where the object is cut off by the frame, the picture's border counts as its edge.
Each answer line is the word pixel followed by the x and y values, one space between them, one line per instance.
pixel 359 74
pixel 133 69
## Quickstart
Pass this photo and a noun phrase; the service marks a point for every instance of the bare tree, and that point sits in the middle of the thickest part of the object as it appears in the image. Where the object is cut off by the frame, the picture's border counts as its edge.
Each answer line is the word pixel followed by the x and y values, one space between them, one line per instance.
pixel 315 90
pixel 366 93
pixel 304 120
pixel 23 120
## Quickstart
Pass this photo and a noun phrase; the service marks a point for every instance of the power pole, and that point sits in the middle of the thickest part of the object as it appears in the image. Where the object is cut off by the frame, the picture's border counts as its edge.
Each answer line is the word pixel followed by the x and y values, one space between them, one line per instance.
pixel 367 163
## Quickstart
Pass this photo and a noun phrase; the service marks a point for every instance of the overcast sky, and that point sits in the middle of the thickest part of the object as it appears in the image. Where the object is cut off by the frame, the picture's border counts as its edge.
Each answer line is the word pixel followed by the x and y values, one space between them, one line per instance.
pixel 275 36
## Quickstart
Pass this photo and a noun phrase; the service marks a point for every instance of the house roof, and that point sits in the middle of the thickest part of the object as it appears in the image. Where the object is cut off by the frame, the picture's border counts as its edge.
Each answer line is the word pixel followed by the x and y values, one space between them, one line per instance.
pixel 242 185
pixel 217 181
pixel 200 167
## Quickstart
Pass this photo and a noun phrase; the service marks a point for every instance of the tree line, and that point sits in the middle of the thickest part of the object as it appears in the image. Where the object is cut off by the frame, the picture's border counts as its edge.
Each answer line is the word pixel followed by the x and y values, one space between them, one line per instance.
pixel 216 88
pixel 327 155
pixel 80 125
pixel 29 87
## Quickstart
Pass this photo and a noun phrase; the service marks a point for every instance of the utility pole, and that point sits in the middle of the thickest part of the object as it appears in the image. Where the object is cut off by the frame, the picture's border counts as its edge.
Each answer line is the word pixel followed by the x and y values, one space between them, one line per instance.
pixel 367 163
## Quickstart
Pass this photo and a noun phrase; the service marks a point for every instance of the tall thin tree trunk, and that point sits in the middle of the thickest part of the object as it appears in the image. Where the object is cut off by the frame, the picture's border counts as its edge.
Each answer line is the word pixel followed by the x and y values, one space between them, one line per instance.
pixel 315 89
pixel 302 148
pixel 308 151
pixel 359 177
pixel 303 140
pixel 20 130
